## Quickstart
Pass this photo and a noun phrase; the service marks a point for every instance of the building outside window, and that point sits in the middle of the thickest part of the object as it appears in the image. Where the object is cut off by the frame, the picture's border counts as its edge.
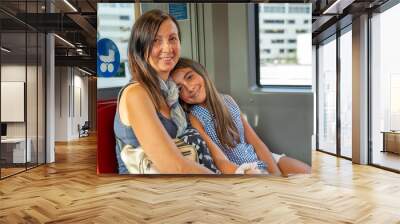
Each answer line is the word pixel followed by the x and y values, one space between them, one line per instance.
pixel 280 67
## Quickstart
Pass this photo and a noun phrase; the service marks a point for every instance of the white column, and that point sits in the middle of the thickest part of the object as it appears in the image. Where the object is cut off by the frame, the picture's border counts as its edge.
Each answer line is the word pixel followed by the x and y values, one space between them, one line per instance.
pixel 50 100
pixel 360 90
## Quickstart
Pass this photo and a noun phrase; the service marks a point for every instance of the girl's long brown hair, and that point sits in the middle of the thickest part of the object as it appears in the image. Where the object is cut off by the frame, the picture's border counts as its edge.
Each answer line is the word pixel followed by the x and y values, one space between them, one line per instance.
pixel 141 41
pixel 227 131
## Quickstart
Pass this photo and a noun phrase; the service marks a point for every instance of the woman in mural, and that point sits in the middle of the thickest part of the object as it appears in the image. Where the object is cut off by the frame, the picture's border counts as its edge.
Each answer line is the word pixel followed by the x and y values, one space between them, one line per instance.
pixel 218 119
pixel 149 115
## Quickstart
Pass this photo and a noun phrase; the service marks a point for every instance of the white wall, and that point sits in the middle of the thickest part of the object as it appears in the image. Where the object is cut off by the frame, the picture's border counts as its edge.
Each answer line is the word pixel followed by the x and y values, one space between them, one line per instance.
pixel 80 100
pixel 71 94
pixel 61 103
pixel 33 126
pixel 16 73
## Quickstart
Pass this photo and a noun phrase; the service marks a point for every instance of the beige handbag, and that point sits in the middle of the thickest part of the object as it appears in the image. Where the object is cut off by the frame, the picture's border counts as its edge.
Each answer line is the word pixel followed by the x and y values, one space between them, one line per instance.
pixel 137 162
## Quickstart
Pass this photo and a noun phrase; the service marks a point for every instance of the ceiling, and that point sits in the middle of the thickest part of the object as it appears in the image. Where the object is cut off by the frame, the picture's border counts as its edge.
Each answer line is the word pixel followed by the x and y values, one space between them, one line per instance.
pixel 76 22
pixel 331 15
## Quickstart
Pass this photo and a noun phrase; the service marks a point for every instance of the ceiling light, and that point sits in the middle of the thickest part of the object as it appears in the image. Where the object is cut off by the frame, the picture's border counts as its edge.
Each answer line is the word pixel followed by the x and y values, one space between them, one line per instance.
pixel 79 51
pixel 337 7
pixel 70 5
pixel 5 50
pixel 65 41
pixel 84 71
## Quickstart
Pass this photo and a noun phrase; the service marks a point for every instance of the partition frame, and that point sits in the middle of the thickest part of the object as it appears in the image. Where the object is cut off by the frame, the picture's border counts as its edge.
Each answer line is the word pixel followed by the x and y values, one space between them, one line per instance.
pixel 337 35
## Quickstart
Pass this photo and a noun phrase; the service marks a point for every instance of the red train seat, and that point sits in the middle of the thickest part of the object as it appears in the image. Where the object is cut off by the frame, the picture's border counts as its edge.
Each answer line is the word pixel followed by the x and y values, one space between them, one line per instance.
pixel 106 159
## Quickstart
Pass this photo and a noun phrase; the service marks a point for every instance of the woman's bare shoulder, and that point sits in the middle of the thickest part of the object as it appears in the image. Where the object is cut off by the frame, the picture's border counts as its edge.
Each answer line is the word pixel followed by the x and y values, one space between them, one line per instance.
pixel 135 103
pixel 134 89
pixel 135 93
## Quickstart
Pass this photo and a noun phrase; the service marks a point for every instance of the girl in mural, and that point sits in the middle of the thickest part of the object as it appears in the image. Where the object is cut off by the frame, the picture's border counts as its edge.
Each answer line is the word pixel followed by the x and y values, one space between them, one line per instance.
pixel 228 136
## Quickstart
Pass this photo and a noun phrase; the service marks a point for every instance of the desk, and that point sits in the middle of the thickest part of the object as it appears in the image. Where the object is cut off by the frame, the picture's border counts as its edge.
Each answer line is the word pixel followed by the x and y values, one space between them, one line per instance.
pixel 391 141
pixel 15 148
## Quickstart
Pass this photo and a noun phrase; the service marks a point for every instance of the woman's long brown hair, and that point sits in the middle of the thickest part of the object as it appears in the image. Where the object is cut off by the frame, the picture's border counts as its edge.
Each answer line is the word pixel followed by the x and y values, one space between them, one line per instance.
pixel 143 33
pixel 227 131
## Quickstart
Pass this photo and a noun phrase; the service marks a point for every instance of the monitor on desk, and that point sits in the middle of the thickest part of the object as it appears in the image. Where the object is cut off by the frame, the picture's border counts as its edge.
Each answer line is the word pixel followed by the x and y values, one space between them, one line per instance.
pixel 3 130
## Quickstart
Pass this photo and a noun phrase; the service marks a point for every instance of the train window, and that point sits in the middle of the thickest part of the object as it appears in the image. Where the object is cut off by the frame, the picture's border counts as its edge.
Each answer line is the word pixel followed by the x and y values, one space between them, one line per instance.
pixel 279 67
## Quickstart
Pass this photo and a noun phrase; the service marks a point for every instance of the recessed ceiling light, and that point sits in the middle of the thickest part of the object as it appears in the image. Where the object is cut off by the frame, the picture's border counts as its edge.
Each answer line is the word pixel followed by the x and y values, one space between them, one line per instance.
pixel 5 50
pixel 84 71
pixel 64 40
pixel 337 7
pixel 70 5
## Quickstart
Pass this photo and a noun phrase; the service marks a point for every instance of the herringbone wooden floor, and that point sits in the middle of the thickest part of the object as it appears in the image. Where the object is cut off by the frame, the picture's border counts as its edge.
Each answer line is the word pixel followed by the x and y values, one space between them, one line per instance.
pixel 69 191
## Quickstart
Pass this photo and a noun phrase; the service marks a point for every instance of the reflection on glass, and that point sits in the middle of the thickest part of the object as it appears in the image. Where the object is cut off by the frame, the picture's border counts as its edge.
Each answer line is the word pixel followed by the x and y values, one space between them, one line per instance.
pixel 41 100
pixel 385 86
pixel 285 44
pixel 394 101
pixel 31 98
pixel 327 97
pixel 346 94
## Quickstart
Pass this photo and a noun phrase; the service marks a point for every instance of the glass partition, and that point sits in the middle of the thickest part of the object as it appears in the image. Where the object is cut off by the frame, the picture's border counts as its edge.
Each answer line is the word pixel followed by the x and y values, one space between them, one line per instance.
pixel 13 86
pixel 41 86
pixel 346 94
pixel 31 98
pixel 327 97
pixel 22 89
pixel 385 87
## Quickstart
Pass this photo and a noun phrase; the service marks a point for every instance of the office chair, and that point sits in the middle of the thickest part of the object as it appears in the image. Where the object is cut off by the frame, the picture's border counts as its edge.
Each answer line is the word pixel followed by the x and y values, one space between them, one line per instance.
pixel 84 130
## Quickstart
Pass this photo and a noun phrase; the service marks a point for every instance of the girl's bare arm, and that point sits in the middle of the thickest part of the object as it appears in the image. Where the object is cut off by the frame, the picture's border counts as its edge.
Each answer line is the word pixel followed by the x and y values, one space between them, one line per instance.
pixel 221 161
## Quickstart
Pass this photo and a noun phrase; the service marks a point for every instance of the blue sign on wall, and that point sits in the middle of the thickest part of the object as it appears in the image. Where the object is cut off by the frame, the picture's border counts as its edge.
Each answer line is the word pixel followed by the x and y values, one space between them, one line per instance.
pixel 108 58
pixel 178 10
